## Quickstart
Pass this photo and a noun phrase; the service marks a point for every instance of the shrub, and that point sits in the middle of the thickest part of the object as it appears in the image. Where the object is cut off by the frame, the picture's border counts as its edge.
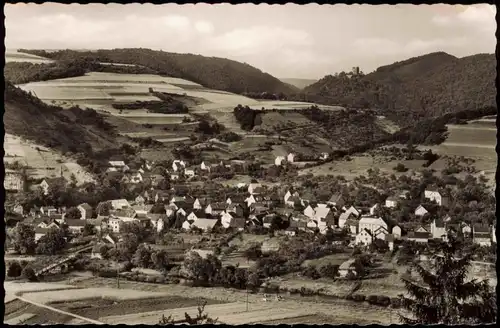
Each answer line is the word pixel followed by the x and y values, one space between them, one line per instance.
pixel 29 273
pixel 383 300
pixel 358 297
pixel 400 168
pixel 107 273
pixel 372 299
pixel 395 302
pixel 15 270
pixel 150 279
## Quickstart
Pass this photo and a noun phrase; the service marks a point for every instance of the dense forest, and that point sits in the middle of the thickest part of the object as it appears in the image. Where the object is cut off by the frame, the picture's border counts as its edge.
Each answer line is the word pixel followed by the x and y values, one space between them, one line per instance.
pixel 211 72
pixel 24 72
pixel 417 88
pixel 154 107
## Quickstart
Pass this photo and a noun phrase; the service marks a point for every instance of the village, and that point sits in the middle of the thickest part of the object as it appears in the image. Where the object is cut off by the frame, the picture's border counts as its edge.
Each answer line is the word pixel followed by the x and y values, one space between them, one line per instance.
pixel 249 208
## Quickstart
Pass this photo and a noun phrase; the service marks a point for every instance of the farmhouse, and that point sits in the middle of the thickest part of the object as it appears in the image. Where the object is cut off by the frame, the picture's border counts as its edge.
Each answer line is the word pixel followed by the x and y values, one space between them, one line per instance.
pixel 364 237
pixel 254 188
pixel 420 211
pixel 290 158
pixel 481 235
pixel 278 161
pixel 46 184
pixel 119 204
pixel 346 267
pixel 85 211
pixel 433 194
pixel 438 229
pixel 75 226
pixel 13 181
pixel 391 202
pixel 372 223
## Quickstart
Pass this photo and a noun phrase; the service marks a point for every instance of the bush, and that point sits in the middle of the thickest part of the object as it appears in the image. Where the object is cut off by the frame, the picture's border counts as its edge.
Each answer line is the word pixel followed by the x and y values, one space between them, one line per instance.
pixel 29 273
pixel 15 270
pixel 358 297
pixel 383 300
pixel 150 279
pixel 400 168
pixel 395 302
pixel 107 273
pixel 372 299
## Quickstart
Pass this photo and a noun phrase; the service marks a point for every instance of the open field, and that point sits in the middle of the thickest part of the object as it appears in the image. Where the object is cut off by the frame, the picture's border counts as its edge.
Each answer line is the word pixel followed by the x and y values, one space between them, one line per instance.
pixel 299 306
pixel 19 312
pixel 98 308
pixel 15 56
pixel 336 259
pixel 46 297
pixel 360 164
pixel 42 161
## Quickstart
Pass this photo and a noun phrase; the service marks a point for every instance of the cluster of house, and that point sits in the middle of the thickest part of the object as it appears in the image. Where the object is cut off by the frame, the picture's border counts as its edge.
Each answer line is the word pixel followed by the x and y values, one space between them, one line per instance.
pixel 178 168
pixel 257 207
pixel 292 158
pixel 13 181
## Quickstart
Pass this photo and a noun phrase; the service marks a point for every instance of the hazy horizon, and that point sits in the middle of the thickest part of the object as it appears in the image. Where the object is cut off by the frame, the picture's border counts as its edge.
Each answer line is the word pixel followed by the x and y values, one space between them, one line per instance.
pixel 288 41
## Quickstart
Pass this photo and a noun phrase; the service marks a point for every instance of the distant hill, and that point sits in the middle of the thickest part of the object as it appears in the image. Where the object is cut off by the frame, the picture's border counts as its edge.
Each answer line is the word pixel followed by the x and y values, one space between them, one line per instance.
pixel 73 130
pixel 420 87
pixel 211 72
pixel 299 83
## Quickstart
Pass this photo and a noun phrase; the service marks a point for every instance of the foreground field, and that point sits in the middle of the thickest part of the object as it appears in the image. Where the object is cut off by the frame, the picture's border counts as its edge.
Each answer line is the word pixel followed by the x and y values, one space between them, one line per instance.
pixel 299 307
pixel 42 162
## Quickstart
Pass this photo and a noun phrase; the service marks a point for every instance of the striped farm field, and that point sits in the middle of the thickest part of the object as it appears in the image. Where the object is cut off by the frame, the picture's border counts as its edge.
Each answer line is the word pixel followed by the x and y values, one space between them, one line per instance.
pixel 15 56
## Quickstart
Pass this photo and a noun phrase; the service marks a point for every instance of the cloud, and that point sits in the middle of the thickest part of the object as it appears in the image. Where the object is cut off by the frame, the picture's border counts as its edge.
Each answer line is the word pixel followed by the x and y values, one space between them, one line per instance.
pixel 204 27
pixel 177 22
pixel 382 46
pixel 260 39
pixel 479 17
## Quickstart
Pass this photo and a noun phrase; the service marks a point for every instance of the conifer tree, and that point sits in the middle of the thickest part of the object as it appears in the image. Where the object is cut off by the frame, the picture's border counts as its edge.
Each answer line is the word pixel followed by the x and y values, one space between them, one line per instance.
pixel 443 294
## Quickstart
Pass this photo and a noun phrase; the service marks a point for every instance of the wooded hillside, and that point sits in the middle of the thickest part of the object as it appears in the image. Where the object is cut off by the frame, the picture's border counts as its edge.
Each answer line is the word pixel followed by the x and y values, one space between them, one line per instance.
pixel 211 72
pixel 420 87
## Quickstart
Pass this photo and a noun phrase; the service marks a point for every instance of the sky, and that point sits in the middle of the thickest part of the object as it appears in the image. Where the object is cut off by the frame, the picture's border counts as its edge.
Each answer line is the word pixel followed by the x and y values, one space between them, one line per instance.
pixel 287 41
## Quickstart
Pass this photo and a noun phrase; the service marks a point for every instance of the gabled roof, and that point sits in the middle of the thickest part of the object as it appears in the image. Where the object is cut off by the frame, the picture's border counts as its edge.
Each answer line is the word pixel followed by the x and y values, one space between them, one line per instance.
pixel 199 214
pixel 125 213
pixel 366 231
pixel 345 215
pixel 336 197
pixel 419 235
pixel 480 228
pixel 75 222
pixel 85 206
pixel 219 206
pixel 294 199
pixel 119 203
pixel 204 223
pixel 237 223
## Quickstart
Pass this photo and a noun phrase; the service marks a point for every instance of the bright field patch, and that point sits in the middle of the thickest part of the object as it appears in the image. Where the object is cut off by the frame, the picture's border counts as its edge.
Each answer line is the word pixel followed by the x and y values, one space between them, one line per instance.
pixel 15 56
pixel 43 162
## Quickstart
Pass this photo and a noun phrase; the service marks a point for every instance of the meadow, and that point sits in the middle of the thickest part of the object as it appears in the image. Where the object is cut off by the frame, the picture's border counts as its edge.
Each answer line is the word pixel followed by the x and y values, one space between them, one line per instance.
pixel 15 56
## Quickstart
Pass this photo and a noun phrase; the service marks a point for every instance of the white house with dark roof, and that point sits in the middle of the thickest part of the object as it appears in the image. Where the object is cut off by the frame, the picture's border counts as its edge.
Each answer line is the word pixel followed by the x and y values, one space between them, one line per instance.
pixel 364 237
pixel 420 211
pixel 391 202
pixel 279 160
pixel 290 157
pixel 85 211
pixel 371 223
pixel 433 194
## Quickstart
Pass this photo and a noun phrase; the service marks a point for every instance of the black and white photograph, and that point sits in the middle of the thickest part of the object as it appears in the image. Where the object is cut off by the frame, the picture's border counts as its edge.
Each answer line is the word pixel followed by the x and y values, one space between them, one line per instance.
pixel 250 164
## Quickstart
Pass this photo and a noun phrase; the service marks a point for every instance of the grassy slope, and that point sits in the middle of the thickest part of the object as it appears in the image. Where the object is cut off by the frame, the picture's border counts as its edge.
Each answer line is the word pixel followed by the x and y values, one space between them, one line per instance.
pixel 28 117
pixel 211 72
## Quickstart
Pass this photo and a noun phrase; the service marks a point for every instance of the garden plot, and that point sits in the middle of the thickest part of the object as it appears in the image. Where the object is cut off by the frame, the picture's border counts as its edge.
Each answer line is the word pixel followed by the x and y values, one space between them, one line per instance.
pixel 291 105
pixel 46 297
pixel 12 288
pixel 232 313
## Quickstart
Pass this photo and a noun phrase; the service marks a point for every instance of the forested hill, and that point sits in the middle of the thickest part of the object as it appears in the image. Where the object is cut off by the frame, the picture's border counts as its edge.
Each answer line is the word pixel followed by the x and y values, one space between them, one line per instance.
pixel 211 72
pixel 420 87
